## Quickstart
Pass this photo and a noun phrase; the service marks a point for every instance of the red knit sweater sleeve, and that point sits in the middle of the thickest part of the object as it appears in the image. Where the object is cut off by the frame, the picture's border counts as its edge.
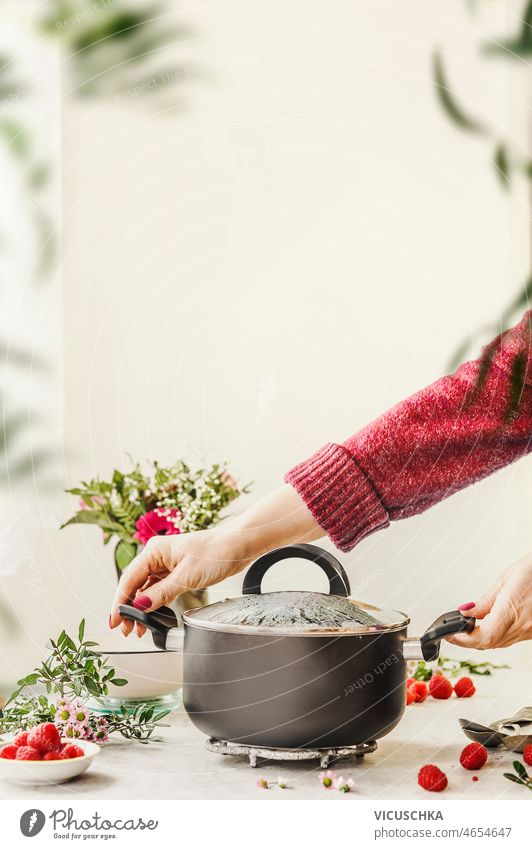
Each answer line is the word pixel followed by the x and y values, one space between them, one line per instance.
pixel 424 449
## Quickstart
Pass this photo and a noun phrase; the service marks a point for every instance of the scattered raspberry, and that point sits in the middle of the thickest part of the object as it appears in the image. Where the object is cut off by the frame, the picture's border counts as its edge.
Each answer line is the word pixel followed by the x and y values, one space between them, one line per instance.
pixel 419 688
pixel 21 739
pixel 44 737
pixel 9 752
pixel 464 688
pixel 431 778
pixel 27 753
pixel 410 681
pixel 410 696
pixel 527 755
pixel 54 756
pixel 474 778
pixel 474 756
pixel 72 751
pixel 440 687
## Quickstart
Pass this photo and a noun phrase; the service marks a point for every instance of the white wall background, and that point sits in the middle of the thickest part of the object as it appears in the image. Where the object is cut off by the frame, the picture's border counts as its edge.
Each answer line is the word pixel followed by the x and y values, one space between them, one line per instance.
pixel 273 264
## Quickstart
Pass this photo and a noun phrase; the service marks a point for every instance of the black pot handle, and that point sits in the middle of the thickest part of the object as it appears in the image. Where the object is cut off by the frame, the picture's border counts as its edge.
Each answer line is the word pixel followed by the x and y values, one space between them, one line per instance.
pixel 338 580
pixel 448 623
pixel 159 621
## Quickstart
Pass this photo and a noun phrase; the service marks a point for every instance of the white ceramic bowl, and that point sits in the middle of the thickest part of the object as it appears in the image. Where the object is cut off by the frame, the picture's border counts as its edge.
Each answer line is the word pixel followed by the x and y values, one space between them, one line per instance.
pixel 49 772
pixel 150 673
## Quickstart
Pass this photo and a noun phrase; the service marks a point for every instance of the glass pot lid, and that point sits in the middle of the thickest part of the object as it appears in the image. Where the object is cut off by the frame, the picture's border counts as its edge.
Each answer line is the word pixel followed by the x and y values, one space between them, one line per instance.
pixel 295 612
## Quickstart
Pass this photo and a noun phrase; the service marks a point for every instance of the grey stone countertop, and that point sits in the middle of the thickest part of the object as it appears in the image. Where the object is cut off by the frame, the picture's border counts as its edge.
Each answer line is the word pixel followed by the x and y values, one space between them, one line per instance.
pixel 179 767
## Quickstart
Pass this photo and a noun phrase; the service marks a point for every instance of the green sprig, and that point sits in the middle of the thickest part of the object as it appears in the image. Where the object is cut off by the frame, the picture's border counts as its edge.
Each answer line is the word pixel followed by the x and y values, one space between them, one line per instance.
pixel 521 777
pixel 74 670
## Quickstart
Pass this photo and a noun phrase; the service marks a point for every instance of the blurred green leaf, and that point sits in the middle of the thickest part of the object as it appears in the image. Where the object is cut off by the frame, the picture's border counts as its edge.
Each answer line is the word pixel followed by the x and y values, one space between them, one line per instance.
pixel 14 132
pixel 515 48
pixel 447 100
pixel 502 165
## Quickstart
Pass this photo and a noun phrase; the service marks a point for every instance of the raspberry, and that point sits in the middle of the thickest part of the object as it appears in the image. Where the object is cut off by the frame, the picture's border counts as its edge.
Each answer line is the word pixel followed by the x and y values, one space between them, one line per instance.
pixel 431 778
pixel 474 778
pixel 72 751
pixel 21 739
pixel 410 696
pixel 474 756
pixel 54 756
pixel 27 753
pixel 44 737
pixel 419 688
pixel 9 752
pixel 440 687
pixel 410 681
pixel 464 688
pixel 527 755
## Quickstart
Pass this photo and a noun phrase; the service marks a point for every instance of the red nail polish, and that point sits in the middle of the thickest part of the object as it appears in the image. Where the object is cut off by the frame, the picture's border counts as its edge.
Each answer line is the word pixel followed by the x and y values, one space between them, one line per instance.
pixel 142 602
pixel 468 606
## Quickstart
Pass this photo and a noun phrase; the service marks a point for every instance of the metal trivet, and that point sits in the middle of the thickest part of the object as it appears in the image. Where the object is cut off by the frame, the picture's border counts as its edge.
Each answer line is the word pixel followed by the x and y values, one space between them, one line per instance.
pixel 257 754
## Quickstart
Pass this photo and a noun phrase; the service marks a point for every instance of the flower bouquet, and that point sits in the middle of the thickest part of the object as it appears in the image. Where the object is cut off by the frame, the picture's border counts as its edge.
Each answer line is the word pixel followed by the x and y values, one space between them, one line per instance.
pixel 130 509
pixel 133 507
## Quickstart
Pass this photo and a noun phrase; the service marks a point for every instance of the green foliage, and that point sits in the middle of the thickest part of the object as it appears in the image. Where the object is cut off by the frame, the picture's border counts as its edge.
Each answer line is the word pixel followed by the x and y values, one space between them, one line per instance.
pixel 447 100
pixel 74 669
pixel 520 46
pixel 521 776
pixel 71 669
pixel 505 161
pixel 453 668
pixel 115 506
pixel 111 47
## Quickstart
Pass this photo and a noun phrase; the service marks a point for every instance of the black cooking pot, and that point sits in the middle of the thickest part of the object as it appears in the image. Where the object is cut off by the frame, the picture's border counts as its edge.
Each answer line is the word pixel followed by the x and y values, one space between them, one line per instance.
pixel 295 669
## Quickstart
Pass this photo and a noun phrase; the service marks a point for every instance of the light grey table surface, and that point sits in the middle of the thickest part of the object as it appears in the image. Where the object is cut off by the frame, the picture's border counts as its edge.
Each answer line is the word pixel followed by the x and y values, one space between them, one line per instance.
pixel 179 767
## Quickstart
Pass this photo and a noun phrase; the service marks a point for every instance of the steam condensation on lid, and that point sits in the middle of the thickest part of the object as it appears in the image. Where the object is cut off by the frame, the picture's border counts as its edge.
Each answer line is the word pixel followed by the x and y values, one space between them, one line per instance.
pixel 292 609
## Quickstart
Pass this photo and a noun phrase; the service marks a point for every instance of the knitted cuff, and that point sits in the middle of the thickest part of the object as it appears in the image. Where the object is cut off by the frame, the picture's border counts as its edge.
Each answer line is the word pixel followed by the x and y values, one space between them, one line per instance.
pixel 339 495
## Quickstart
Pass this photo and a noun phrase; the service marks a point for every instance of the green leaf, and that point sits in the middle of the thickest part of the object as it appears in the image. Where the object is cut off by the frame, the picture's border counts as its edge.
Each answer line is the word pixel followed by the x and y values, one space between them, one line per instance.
pixel 447 101
pixel 119 682
pixel 92 517
pixel 511 777
pixel 125 552
pixel 81 630
pixel 520 770
pixel 91 686
pixel 502 165
pixel 17 137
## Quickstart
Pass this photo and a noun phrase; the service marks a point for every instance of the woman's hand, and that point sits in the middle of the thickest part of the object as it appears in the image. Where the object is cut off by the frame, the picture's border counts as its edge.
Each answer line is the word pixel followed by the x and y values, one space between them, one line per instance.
pixel 504 611
pixel 169 566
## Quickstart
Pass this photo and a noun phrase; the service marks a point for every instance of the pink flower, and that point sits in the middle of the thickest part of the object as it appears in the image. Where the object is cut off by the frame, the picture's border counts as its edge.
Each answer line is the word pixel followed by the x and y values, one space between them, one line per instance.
pixel 344 785
pixel 228 480
pixel 157 522
pixel 100 733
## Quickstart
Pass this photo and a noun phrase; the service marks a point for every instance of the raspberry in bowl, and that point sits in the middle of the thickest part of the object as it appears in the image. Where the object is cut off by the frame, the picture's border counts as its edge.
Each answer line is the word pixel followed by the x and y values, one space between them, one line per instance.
pixel 41 756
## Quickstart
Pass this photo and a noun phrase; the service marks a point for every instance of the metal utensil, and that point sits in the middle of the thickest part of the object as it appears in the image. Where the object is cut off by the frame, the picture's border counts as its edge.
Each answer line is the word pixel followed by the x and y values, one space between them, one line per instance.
pixel 485 734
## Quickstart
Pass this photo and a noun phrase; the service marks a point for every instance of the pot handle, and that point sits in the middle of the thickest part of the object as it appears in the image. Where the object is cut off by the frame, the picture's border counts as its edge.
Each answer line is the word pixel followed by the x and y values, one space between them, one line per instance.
pixel 338 580
pixel 159 622
pixel 448 623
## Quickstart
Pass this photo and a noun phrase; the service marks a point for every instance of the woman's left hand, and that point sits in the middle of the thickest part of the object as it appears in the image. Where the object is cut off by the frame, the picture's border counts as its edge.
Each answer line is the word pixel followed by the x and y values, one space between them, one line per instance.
pixel 504 612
